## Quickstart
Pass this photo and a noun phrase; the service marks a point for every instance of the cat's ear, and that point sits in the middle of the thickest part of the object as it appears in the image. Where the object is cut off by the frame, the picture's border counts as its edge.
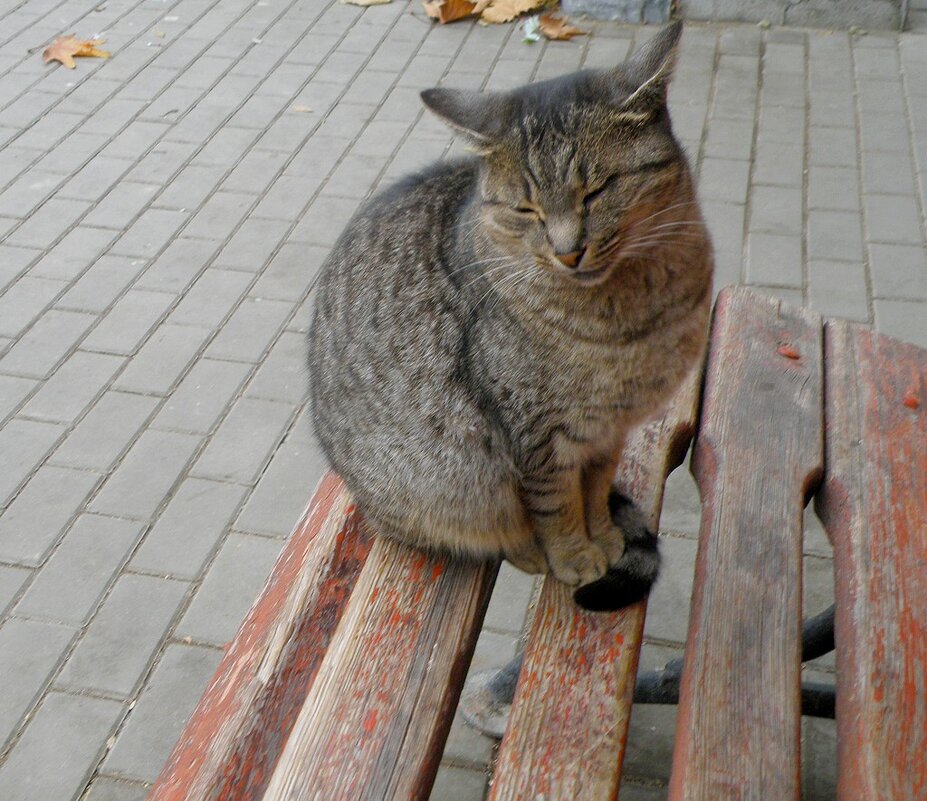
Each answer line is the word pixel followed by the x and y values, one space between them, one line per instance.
pixel 479 117
pixel 650 70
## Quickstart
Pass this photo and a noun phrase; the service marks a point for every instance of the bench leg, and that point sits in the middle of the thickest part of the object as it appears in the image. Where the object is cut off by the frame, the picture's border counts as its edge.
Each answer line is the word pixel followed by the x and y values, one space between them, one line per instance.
pixel 488 694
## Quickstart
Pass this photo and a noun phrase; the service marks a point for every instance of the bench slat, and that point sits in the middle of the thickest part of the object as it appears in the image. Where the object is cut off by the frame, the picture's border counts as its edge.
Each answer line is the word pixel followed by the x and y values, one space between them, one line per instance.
pixel 569 720
pixel 229 748
pixel 758 452
pixel 376 718
pixel 874 507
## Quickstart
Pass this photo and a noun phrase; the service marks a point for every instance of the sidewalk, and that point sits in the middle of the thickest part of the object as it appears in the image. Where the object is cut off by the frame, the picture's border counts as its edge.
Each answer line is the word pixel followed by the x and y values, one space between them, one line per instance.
pixel 162 218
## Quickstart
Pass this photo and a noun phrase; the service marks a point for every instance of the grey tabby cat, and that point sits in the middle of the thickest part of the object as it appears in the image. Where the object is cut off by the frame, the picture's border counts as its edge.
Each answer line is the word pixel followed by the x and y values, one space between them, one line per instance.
pixel 487 330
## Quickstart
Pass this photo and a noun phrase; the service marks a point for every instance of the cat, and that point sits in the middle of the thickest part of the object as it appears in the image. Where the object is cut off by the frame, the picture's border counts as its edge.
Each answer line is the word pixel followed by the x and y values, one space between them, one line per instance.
pixel 486 331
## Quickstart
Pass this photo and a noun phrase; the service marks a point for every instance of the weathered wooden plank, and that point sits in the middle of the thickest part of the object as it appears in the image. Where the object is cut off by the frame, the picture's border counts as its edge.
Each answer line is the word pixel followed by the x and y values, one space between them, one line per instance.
pixel 231 744
pixel 568 725
pixel 374 723
pixel 759 451
pixel 874 507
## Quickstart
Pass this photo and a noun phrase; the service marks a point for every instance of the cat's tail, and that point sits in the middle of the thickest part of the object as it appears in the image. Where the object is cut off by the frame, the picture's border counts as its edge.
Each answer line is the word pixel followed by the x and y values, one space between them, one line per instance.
pixel 630 580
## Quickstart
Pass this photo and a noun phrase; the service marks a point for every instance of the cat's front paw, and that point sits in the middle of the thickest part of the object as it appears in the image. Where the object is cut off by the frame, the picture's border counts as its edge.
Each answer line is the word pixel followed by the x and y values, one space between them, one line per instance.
pixel 610 538
pixel 577 561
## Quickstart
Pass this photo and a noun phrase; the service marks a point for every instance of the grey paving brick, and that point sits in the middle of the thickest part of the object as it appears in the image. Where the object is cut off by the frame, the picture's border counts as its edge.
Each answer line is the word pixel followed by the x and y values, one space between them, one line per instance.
pixel 245 441
pixel 887 173
pixel 99 286
pixel 202 396
pixel 36 518
pixel 317 158
pixel 282 376
pixel 898 271
pixel 467 746
pixel 26 193
pixel 250 330
pixel 219 216
pixel 74 150
pixel 778 164
pixel 834 235
pixel 14 261
pixel 69 732
pixel 324 221
pixel 176 268
pixel 724 179
pixel 48 224
pixel 121 205
pixel 161 712
pixel 162 360
pixel 510 599
pixel 95 179
pixel 74 254
pixel 233 582
pixel 667 610
pixel 726 223
pixel 190 528
pixel 893 218
pixel 12 580
pixel 285 200
pixel 123 638
pixel 459 784
pixel 682 507
pixel 150 469
pixel 838 289
pixel 13 391
pixel 632 791
pixel 104 434
pixel 73 387
pixel 832 147
pixel 150 232
pixel 190 187
pixel 69 586
pixel 290 273
pixel 354 176
pixel 211 298
pixel 45 345
pixel 106 789
pixel 833 188
pixel 776 210
pixel 29 652
pixel 24 443
pixel 285 487
pixel 162 161
pixel 884 133
pixel 128 323
pixel 25 300
pixel 252 245
pixel 256 170
pixel 904 319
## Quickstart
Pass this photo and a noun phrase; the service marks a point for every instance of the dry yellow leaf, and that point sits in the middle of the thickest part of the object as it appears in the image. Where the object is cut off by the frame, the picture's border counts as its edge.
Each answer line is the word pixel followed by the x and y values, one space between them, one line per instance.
pixel 65 48
pixel 557 28
pixel 449 10
pixel 506 10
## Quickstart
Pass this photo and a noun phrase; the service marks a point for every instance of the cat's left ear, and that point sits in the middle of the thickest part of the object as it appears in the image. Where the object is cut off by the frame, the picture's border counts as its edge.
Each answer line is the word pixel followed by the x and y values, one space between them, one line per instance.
pixel 479 116
pixel 650 70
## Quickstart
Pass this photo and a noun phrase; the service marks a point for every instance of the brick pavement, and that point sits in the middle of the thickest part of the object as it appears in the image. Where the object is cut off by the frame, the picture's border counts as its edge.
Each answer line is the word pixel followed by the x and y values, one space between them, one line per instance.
pixel 162 218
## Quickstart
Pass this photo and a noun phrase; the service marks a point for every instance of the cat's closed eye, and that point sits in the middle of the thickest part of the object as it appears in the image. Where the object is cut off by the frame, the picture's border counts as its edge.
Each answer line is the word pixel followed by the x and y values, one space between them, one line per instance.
pixel 527 208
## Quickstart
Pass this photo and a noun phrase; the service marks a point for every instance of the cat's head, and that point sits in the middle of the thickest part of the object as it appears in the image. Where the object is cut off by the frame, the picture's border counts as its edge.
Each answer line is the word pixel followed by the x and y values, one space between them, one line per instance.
pixel 580 172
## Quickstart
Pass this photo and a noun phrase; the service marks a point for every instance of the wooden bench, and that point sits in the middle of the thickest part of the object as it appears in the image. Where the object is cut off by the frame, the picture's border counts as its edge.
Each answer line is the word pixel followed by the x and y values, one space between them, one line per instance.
pixel 343 680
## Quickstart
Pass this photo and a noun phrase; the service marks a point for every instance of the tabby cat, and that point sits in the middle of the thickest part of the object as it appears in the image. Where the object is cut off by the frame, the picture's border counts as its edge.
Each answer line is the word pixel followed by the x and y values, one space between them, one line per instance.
pixel 487 330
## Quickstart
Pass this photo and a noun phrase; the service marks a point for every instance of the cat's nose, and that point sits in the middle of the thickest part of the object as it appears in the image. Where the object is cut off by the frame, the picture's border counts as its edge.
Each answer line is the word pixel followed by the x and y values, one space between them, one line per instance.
pixel 570 259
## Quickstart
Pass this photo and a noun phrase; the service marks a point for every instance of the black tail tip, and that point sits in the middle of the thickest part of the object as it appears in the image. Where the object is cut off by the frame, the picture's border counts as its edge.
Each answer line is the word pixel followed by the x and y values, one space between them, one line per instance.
pixel 615 590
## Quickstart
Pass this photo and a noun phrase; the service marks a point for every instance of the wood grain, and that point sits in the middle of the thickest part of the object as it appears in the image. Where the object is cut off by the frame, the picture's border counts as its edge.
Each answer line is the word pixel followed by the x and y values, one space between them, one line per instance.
pixel 874 507
pixel 374 723
pixel 758 453
pixel 569 721
pixel 234 738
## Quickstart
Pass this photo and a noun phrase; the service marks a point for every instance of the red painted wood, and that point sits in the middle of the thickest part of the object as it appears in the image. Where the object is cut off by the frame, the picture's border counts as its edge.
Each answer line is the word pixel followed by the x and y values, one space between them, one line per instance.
pixel 231 744
pixel 568 726
pixel 874 507
pixel 374 723
pixel 759 450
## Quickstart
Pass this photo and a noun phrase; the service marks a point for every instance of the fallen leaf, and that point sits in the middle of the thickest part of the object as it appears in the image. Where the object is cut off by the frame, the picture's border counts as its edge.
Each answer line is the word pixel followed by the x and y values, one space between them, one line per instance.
pixel 506 10
pixel 557 28
pixel 302 109
pixel 64 48
pixel 366 2
pixel 449 10
pixel 532 30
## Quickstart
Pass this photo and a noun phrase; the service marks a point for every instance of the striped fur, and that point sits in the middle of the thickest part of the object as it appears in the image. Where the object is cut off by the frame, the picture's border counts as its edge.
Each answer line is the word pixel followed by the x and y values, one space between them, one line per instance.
pixel 471 387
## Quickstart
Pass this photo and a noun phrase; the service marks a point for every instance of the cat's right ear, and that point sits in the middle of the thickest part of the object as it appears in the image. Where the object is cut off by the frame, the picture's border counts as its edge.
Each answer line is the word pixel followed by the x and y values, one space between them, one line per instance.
pixel 479 117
